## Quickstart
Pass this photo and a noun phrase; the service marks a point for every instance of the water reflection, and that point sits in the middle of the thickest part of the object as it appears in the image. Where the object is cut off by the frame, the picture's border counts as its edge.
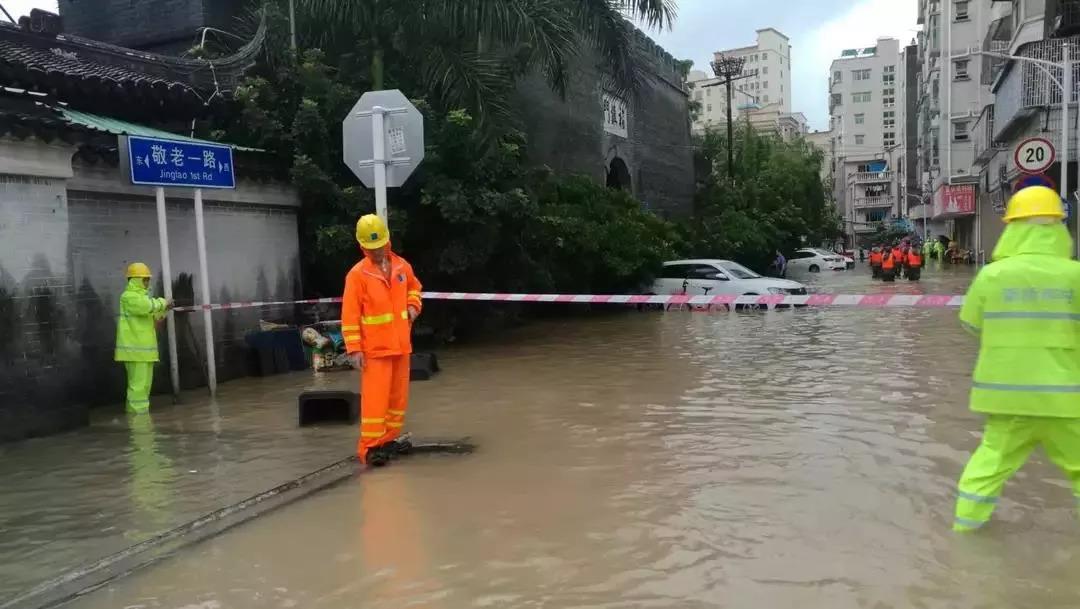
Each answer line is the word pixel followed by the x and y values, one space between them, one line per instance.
pixel 151 480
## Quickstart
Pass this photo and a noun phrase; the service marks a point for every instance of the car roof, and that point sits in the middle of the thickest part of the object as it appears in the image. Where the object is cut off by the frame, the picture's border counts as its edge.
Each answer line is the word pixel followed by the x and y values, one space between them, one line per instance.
pixel 696 261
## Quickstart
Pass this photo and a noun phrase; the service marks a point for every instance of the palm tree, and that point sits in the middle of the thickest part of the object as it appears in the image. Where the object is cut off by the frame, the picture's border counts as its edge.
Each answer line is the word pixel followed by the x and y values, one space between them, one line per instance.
pixel 468 52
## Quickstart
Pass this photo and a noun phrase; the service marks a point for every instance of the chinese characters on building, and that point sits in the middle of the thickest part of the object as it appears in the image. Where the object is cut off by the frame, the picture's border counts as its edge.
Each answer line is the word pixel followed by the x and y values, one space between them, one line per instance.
pixel 615 115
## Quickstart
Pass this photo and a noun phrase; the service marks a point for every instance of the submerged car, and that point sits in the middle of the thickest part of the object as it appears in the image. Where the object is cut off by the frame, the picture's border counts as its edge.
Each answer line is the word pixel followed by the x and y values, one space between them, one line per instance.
pixel 813 260
pixel 711 277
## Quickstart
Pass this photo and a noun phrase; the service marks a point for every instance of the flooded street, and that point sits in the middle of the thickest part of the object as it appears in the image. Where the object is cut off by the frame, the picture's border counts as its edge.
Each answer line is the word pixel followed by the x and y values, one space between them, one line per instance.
pixel 777 459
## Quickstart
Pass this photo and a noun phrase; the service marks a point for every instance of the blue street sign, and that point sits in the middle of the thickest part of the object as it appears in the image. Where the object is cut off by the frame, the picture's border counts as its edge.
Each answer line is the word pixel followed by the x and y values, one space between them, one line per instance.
pixel 160 162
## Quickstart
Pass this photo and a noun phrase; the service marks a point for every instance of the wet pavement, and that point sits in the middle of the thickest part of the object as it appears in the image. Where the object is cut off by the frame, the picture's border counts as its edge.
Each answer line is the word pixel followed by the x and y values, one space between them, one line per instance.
pixel 764 459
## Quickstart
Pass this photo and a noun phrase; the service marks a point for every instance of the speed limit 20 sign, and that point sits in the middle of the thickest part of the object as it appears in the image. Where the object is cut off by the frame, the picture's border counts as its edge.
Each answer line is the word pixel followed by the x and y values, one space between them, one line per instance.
pixel 1035 155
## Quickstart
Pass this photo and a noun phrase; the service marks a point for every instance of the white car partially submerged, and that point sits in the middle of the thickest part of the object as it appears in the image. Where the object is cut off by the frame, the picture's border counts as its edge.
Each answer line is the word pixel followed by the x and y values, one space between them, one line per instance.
pixel 711 277
pixel 812 260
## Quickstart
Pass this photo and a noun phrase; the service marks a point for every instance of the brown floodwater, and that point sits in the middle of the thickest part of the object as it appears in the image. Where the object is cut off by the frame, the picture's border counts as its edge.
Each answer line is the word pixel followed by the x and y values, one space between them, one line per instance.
pixel 765 459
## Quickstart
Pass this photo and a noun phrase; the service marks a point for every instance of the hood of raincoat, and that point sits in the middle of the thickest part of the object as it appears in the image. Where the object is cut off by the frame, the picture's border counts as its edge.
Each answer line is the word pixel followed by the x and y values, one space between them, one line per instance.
pixel 1025 238
pixel 135 284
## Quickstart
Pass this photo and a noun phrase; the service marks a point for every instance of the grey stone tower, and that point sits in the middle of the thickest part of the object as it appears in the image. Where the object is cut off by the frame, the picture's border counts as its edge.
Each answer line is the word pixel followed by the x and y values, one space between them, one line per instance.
pixel 164 26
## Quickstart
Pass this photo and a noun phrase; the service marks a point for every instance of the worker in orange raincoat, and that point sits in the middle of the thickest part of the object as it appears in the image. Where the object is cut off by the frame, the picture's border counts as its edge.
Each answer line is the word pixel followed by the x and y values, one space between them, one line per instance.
pixel 914 264
pixel 381 302
pixel 875 262
pixel 898 258
pixel 888 266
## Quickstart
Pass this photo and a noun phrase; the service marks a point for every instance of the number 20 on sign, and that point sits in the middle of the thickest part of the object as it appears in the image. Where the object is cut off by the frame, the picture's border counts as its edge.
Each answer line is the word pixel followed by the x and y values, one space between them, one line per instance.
pixel 1035 155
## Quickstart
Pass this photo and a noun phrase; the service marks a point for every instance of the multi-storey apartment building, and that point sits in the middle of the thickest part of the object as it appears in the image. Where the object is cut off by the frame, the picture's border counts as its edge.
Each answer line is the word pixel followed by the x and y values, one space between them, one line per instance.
pixel 954 92
pixel 766 81
pixel 1025 103
pixel 866 119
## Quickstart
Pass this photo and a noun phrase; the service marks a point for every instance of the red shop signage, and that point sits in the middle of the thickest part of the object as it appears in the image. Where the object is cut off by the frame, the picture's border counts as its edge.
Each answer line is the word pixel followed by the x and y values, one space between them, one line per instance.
pixel 954 200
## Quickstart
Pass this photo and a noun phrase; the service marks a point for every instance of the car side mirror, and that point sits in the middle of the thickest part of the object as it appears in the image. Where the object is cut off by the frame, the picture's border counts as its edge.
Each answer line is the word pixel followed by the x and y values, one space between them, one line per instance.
pixel 720 277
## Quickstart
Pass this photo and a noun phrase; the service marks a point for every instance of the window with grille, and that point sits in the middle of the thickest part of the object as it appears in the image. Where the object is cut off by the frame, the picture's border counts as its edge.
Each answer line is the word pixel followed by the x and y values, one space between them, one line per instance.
pixel 861 98
pixel 836 76
pixel 860 119
pixel 960 69
pixel 890 138
pixel 860 139
pixel 961 12
pixel 888 79
pixel 960 132
pixel 860 75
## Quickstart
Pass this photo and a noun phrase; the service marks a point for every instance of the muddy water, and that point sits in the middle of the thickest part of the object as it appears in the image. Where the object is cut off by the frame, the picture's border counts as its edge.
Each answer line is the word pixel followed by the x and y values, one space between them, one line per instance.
pixel 778 459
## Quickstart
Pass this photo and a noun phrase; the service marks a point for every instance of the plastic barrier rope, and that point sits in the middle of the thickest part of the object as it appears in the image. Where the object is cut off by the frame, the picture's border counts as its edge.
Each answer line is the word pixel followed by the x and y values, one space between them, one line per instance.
pixel 809 300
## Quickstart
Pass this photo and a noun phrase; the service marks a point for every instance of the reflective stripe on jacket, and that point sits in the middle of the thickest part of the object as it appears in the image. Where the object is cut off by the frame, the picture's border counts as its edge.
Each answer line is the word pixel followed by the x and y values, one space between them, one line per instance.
pixel 136 334
pixel 375 308
pixel 1025 308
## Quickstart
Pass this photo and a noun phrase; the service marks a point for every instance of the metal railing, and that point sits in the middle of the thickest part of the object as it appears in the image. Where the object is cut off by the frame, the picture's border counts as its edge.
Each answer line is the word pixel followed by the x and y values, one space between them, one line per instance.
pixel 872 202
pixel 872 176
pixel 985 145
pixel 1065 21
pixel 1027 85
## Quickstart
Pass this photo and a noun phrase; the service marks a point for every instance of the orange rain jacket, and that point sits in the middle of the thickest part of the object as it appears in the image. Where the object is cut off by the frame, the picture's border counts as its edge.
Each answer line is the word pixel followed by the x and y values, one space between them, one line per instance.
pixel 374 309
pixel 875 258
pixel 914 259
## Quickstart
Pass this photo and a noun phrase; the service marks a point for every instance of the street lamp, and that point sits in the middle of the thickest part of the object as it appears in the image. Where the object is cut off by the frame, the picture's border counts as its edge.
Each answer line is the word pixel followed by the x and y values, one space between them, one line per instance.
pixel 729 69
pixel 1066 86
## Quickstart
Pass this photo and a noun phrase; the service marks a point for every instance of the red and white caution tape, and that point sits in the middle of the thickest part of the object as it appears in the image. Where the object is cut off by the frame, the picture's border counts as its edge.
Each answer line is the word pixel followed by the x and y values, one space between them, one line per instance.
pixel 811 300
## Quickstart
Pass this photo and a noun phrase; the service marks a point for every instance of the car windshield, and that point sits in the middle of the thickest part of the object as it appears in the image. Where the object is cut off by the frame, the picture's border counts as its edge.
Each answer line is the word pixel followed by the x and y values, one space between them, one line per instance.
pixel 825 252
pixel 738 270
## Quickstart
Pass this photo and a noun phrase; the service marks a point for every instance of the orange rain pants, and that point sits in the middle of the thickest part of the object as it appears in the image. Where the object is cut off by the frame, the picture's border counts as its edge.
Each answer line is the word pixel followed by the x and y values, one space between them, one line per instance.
pixel 384 398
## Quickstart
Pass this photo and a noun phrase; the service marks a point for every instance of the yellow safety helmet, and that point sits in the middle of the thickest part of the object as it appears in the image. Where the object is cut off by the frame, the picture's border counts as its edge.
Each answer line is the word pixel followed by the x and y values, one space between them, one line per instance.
pixel 138 270
pixel 371 232
pixel 1035 202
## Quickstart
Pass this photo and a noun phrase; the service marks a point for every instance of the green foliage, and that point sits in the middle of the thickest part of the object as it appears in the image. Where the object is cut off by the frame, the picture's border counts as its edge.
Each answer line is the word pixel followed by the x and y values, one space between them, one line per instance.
pixel 775 200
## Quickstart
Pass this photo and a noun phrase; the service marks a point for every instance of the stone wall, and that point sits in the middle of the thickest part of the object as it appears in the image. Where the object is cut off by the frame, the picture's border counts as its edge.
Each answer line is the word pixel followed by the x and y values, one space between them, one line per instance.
pixel 568 134
pixel 67 234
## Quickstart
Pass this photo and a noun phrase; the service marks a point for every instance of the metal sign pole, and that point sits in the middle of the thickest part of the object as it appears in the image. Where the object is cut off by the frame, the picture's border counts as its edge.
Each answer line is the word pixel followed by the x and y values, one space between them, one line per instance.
pixel 378 142
pixel 166 282
pixel 1066 95
pixel 204 283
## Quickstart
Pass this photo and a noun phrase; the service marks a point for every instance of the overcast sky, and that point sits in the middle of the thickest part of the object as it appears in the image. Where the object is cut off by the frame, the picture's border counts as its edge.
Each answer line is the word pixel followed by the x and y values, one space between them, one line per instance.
pixel 818 29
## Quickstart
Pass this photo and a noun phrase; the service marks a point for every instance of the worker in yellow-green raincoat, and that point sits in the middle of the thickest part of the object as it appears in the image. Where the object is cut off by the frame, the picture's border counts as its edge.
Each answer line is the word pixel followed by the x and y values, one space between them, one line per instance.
pixel 136 335
pixel 1025 309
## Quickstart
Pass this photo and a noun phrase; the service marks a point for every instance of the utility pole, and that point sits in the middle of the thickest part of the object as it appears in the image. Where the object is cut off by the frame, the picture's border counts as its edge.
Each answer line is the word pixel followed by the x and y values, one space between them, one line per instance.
pixel 292 23
pixel 729 69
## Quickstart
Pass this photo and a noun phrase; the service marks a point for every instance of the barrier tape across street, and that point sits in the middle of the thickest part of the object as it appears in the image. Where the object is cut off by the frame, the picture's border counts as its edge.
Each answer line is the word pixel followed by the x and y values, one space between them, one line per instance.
pixel 810 300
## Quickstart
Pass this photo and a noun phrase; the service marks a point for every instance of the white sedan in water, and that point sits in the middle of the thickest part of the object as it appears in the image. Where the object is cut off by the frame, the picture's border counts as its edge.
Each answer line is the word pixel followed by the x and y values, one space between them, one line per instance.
pixel 712 277
pixel 810 260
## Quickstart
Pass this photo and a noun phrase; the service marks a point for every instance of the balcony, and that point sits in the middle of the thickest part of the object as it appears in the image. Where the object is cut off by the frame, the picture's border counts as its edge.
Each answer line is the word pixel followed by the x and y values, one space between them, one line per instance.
pixel 872 202
pixel 866 228
pixel 1024 88
pixel 866 177
pixel 983 131
pixel 1062 20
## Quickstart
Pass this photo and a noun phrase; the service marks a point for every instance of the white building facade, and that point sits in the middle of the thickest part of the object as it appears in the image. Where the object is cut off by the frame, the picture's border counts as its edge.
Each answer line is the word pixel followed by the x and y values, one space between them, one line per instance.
pixel 766 81
pixel 866 121
pixel 954 93
pixel 1024 103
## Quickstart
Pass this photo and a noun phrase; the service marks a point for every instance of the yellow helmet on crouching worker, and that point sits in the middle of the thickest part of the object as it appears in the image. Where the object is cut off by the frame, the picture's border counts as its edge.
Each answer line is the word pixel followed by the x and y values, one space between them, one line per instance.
pixel 371 232
pixel 1035 202
pixel 138 270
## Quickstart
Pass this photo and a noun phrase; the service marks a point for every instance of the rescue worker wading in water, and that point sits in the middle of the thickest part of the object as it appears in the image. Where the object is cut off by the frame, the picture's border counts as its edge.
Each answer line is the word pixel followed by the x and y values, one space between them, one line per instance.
pixel 381 301
pixel 1025 309
pixel 136 335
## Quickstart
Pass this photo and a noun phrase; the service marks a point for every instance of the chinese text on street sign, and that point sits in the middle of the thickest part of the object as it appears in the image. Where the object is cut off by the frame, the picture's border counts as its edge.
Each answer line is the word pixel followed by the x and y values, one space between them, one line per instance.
pixel 160 162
